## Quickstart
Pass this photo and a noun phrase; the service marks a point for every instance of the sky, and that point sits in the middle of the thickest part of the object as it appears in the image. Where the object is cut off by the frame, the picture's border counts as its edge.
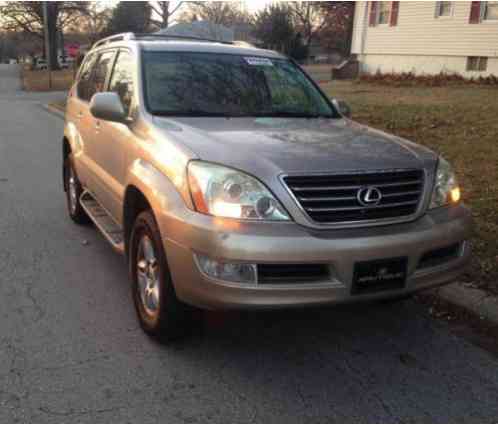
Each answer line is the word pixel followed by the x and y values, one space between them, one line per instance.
pixel 254 5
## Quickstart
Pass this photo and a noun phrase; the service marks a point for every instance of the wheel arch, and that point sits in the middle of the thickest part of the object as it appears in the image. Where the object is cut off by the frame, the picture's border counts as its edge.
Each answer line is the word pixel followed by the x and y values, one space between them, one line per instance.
pixel 135 202
pixel 66 151
pixel 147 186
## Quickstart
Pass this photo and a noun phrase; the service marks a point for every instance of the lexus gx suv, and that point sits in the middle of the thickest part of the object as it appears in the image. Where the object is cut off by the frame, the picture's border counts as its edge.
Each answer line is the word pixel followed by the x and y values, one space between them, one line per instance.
pixel 229 180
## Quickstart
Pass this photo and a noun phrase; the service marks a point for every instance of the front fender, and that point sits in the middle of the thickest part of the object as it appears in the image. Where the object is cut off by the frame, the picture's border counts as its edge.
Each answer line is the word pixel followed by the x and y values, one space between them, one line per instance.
pixel 164 196
pixel 73 136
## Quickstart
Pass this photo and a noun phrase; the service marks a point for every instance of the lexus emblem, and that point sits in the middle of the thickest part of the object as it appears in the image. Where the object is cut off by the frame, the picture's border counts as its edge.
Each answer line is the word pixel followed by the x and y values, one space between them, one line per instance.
pixel 369 196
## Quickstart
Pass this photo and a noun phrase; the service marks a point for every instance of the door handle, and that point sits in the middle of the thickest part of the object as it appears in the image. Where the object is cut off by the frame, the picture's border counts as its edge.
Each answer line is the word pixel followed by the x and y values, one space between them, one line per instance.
pixel 80 115
pixel 97 125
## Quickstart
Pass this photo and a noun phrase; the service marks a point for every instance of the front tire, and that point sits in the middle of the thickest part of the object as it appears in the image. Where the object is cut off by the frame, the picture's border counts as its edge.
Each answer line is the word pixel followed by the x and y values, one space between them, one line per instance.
pixel 160 313
pixel 73 193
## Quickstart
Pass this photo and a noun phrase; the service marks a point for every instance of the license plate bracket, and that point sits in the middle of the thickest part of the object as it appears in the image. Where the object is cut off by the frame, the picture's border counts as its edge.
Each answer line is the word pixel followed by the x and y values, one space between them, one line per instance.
pixel 379 275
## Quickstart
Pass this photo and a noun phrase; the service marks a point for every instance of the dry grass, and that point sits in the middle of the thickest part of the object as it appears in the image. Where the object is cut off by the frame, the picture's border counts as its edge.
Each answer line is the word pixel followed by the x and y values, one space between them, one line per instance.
pixel 39 80
pixel 320 72
pixel 459 122
pixel 438 80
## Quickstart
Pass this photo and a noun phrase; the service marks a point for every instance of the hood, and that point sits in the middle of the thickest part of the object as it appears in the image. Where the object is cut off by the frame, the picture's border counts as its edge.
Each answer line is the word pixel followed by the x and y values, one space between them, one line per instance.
pixel 262 145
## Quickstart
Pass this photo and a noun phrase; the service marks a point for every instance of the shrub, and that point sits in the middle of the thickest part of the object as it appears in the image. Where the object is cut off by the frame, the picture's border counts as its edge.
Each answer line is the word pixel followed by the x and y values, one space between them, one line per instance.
pixel 437 80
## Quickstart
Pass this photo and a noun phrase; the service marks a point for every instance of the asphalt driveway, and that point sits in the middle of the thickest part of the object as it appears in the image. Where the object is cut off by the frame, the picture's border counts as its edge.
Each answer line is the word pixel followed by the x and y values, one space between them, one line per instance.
pixel 71 349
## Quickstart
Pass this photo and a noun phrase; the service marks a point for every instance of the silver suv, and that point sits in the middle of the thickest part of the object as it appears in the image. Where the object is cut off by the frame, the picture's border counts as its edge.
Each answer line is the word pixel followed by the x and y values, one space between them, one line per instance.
pixel 229 180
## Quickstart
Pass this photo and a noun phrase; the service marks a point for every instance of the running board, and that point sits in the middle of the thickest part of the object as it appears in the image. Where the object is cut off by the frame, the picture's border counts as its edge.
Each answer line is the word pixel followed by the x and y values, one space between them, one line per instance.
pixel 107 226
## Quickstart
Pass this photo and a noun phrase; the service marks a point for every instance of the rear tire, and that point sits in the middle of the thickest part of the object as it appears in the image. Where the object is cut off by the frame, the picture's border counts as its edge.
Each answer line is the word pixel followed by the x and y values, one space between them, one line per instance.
pixel 74 191
pixel 160 313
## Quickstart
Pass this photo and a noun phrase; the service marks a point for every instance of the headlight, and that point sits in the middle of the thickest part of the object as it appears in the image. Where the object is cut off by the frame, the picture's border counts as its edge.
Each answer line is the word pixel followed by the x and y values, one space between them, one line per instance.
pixel 446 189
pixel 224 192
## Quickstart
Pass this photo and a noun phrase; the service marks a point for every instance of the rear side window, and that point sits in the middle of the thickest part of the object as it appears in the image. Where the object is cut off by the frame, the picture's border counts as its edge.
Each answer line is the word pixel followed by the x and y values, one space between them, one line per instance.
pixel 85 77
pixel 102 70
pixel 122 79
pixel 97 74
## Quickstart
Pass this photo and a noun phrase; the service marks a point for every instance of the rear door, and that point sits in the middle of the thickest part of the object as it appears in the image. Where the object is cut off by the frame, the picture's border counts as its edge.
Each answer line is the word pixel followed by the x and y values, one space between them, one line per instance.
pixel 79 119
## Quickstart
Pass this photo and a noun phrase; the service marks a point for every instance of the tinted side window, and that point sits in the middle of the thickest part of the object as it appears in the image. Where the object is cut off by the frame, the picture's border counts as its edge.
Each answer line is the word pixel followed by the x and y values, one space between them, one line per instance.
pixel 122 79
pixel 85 77
pixel 102 69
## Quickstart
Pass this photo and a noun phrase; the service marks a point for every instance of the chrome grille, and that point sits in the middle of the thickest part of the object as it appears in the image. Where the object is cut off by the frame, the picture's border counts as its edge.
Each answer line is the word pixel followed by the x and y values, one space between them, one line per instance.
pixel 335 198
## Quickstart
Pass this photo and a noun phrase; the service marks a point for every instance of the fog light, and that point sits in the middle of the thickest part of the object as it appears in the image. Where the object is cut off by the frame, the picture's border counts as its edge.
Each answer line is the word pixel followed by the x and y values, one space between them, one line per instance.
pixel 230 272
pixel 456 195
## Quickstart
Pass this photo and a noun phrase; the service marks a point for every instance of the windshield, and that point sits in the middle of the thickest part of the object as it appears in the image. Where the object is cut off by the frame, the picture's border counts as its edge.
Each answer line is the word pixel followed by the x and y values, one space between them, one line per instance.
pixel 207 84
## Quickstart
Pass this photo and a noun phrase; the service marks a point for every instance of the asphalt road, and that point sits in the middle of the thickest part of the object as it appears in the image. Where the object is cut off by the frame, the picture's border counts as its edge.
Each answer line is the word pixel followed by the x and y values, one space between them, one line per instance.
pixel 71 349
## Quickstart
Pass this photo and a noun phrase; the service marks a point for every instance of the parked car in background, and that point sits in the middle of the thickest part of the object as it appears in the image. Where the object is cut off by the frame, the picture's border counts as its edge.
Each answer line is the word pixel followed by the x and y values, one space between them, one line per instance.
pixel 66 62
pixel 229 180
pixel 41 64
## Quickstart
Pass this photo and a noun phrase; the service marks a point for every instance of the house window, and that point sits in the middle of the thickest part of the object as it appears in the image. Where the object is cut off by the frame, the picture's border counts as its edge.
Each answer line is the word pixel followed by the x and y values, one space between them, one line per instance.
pixel 384 12
pixel 477 63
pixel 491 10
pixel 444 8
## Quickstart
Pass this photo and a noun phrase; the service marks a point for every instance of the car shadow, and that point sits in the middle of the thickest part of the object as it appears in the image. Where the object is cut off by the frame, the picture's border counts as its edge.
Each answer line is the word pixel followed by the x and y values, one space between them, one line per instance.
pixel 369 362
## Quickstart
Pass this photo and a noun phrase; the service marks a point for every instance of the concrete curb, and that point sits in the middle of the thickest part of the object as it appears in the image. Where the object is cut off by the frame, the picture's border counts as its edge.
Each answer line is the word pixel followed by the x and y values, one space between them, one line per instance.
pixel 471 299
pixel 55 110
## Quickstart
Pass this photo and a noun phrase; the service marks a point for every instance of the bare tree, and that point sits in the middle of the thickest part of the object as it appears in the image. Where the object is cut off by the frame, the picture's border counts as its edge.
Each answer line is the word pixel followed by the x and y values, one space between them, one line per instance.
pixel 274 27
pixel 130 16
pixel 96 20
pixel 309 19
pixel 224 13
pixel 164 10
pixel 27 17
pixel 338 30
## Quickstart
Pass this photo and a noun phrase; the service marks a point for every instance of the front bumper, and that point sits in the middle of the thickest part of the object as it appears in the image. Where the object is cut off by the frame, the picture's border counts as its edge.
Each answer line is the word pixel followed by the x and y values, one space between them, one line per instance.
pixel 288 243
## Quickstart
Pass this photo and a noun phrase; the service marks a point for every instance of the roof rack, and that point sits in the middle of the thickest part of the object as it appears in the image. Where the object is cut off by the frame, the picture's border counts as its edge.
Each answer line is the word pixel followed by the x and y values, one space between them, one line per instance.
pixel 179 37
pixel 114 38
pixel 142 36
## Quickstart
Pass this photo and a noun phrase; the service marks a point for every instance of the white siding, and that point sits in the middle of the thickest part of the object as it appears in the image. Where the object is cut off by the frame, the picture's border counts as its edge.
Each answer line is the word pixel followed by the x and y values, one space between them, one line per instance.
pixel 419 33
pixel 359 26
pixel 423 64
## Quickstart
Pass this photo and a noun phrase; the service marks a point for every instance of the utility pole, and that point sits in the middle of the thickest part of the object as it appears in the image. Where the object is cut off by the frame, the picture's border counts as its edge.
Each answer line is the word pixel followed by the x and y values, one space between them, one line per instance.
pixel 47 44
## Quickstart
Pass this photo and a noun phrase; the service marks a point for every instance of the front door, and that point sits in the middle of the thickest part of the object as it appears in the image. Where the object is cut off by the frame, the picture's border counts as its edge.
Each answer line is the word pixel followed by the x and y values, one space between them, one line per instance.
pixel 98 182
pixel 114 140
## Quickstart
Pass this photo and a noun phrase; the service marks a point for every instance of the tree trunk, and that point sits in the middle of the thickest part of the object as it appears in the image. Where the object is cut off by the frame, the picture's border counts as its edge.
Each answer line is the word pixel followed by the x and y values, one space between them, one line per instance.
pixel 349 42
pixel 61 44
pixel 165 22
pixel 308 48
pixel 52 33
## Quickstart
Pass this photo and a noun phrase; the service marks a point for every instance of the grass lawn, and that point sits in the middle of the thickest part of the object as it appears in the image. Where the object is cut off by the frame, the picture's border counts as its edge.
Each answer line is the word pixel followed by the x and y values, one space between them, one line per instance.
pixel 460 123
pixel 39 81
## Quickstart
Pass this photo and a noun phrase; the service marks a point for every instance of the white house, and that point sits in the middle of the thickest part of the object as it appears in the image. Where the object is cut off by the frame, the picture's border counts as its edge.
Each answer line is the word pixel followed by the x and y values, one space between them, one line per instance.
pixel 427 37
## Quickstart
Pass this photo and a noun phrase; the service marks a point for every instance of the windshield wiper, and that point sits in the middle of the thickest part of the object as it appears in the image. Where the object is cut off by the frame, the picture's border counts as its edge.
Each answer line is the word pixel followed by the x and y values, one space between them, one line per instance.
pixel 202 113
pixel 289 114
pixel 192 113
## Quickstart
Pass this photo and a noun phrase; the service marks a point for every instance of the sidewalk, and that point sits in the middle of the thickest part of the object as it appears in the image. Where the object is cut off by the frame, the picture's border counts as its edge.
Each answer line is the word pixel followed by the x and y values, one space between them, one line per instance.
pixel 471 299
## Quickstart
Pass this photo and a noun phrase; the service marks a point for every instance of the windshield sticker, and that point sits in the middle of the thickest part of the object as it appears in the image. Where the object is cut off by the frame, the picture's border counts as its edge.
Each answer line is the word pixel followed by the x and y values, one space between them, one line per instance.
pixel 259 61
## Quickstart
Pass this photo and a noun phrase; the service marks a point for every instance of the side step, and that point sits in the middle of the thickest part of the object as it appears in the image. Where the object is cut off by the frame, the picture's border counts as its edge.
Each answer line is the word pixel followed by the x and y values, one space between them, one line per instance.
pixel 108 227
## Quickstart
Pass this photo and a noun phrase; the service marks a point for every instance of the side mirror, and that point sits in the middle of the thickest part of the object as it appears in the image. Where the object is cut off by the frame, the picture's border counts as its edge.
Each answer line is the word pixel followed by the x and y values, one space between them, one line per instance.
pixel 107 106
pixel 342 107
